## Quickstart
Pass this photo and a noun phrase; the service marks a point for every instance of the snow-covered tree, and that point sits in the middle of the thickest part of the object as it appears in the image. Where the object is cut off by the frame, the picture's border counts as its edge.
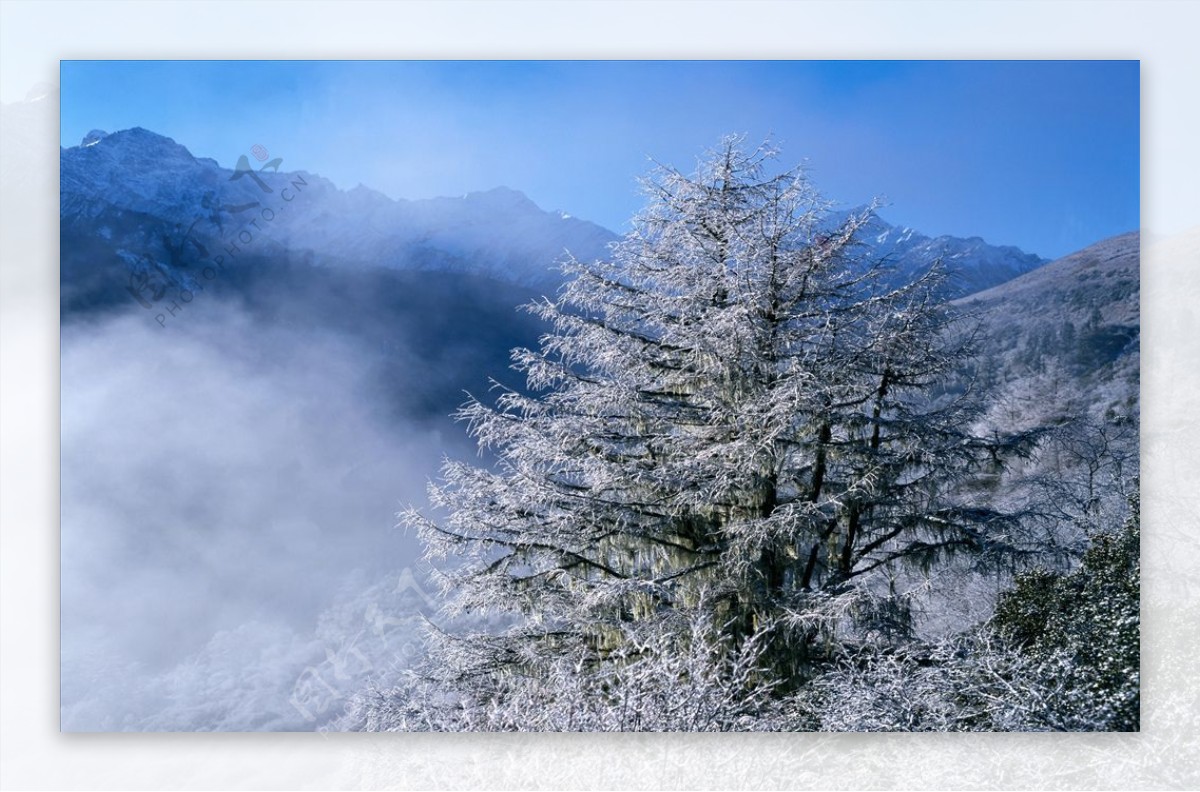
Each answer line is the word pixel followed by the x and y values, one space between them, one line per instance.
pixel 1092 617
pixel 682 674
pixel 1061 653
pixel 735 422
pixel 972 681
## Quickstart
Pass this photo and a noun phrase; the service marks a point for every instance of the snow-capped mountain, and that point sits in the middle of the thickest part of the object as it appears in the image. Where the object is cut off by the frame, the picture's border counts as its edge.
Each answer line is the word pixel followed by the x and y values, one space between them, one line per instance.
pixel 974 264
pixel 138 204
pixel 118 187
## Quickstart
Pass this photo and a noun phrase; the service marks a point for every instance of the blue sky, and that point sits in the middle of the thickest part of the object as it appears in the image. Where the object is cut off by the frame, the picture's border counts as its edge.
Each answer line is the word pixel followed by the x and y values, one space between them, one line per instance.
pixel 1039 154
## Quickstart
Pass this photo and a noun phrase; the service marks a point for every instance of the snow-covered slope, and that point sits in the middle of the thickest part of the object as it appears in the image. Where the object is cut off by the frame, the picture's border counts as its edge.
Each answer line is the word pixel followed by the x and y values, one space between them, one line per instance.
pixel 1064 339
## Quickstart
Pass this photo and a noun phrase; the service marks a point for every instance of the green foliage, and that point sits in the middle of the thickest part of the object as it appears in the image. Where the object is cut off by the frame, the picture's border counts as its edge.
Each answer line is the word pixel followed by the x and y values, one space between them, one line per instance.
pixel 1091 616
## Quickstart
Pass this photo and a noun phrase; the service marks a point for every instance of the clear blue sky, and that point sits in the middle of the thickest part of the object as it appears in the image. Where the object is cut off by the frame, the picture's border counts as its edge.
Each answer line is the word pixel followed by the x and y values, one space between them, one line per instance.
pixel 1042 155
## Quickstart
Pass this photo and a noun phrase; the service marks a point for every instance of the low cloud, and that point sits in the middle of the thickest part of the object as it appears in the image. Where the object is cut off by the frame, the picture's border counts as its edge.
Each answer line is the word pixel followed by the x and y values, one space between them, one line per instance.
pixel 227 485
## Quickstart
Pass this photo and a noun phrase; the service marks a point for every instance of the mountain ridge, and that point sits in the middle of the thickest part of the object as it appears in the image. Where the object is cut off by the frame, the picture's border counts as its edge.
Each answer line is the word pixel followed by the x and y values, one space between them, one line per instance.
pixel 973 263
pixel 117 186
pixel 498 232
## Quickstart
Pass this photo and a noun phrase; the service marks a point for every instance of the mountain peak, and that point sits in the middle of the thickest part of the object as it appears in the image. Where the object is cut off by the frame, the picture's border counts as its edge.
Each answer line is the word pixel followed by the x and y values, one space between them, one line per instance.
pixel 502 198
pixel 500 232
pixel 135 141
